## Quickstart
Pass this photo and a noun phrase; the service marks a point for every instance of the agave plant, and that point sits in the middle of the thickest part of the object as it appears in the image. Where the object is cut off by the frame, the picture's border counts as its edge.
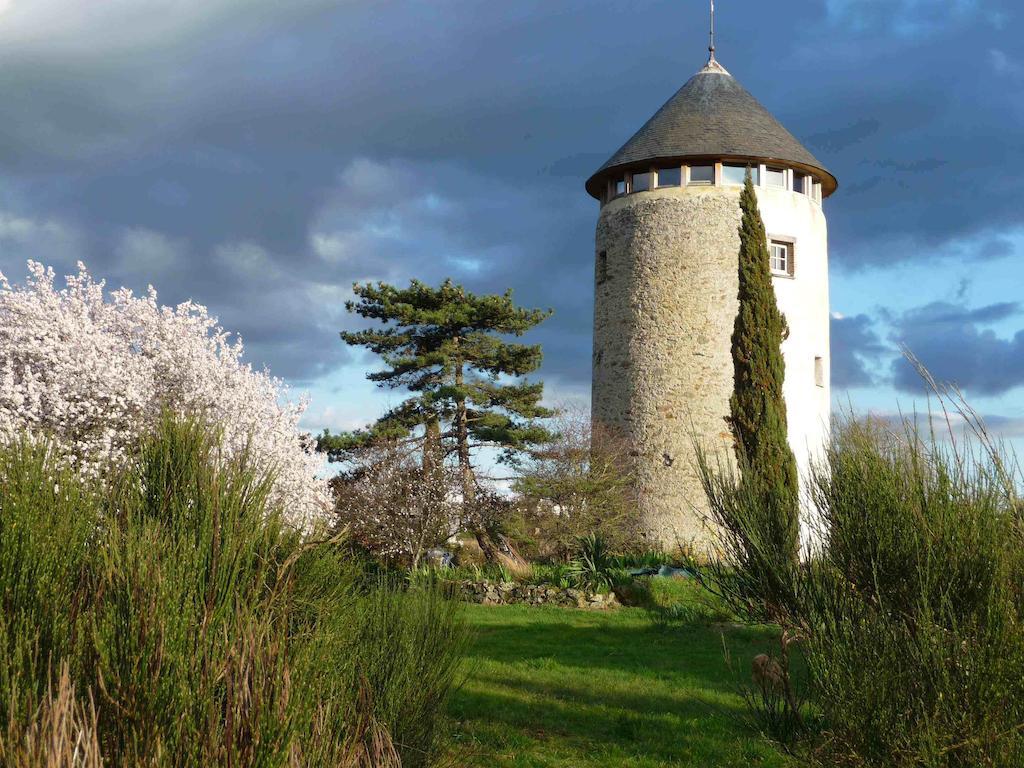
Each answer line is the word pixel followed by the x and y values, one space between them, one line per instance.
pixel 593 567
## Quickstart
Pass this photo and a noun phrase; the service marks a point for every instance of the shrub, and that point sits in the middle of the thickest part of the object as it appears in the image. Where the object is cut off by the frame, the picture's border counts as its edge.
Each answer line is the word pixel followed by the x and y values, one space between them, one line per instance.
pixel 394 507
pixel 914 613
pixel 577 485
pixel 557 574
pixel 94 374
pixel 910 607
pixel 645 558
pixel 752 572
pixel 593 566
pixel 169 617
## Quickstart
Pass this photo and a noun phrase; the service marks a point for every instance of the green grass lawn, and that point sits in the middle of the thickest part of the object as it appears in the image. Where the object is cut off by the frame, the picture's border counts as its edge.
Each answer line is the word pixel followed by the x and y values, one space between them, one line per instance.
pixel 557 687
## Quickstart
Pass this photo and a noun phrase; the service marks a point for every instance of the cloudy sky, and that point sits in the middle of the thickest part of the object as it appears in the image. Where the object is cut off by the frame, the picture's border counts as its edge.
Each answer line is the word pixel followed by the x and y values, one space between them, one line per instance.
pixel 259 156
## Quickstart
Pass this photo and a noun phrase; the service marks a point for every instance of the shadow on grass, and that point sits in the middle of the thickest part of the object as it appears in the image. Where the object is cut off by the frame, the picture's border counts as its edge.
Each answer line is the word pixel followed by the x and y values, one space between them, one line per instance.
pixel 565 688
pixel 694 652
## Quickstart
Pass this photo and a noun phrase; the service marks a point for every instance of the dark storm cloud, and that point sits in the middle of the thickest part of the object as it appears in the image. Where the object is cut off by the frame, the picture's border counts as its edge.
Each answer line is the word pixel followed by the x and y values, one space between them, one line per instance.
pixel 929 420
pixel 954 344
pixel 837 139
pixel 260 156
pixel 1005 426
pixel 856 346
pixel 916 166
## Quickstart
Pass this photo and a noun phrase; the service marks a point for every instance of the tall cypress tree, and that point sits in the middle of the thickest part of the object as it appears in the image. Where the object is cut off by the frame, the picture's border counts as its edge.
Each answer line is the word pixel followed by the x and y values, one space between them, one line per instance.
pixel 448 348
pixel 757 408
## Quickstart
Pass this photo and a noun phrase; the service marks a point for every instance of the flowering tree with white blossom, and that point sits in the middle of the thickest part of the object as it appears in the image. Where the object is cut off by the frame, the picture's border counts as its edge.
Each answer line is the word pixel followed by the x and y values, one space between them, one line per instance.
pixel 94 372
pixel 394 506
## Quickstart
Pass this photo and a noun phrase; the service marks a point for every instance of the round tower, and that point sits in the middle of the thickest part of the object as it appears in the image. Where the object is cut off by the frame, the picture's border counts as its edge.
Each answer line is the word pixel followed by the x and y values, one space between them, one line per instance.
pixel 666 284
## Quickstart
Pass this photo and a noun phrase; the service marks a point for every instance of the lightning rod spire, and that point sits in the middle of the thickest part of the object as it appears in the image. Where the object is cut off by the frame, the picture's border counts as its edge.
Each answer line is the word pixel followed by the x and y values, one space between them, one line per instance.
pixel 711 45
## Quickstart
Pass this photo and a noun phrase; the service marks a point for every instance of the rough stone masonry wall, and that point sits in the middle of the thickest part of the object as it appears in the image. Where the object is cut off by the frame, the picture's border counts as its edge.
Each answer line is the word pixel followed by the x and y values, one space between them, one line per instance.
pixel 665 303
pixel 509 593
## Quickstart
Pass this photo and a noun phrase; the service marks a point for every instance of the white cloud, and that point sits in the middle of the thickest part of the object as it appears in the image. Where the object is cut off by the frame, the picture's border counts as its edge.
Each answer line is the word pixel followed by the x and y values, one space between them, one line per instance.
pixel 331 298
pixel 372 183
pixel 145 252
pixel 335 248
pixel 99 28
pixel 46 240
pixel 566 394
pixel 248 260
pixel 902 18
pixel 23 230
pixel 466 264
pixel 1003 64
pixel 340 417
pixel 384 217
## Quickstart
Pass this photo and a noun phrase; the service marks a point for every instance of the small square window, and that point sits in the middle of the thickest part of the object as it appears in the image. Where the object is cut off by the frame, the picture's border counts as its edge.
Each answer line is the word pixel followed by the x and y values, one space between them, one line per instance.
pixel 619 188
pixel 670 177
pixel 799 183
pixel 781 258
pixel 737 174
pixel 641 182
pixel 819 372
pixel 775 177
pixel 702 174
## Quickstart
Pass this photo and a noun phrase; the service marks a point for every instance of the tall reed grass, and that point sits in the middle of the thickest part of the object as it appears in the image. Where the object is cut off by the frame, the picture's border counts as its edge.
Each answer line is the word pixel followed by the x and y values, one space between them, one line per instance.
pixel 909 610
pixel 169 617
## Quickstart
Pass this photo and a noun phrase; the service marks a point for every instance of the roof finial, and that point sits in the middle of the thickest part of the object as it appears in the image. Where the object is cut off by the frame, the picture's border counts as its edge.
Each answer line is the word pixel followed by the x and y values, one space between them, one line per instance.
pixel 711 46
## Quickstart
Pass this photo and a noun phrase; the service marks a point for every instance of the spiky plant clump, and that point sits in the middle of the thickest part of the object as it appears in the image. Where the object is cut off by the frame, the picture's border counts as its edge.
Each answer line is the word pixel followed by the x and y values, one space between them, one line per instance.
pixel 169 617
pixel 910 613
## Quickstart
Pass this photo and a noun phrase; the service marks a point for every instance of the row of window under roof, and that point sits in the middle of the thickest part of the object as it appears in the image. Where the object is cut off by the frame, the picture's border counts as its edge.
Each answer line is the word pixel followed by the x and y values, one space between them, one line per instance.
pixel 710 174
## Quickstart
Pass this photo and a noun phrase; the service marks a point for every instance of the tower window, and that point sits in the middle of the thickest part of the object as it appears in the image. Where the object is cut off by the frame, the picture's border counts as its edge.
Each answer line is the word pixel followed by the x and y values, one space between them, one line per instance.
pixel 641 182
pixel 780 258
pixel 702 174
pixel 670 177
pixel 733 173
pixel 775 177
pixel 781 254
pixel 819 372
pixel 799 183
pixel 619 188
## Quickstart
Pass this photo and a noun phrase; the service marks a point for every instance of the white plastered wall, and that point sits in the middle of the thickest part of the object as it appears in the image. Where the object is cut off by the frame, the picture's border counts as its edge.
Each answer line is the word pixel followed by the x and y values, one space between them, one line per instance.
pixel 804 300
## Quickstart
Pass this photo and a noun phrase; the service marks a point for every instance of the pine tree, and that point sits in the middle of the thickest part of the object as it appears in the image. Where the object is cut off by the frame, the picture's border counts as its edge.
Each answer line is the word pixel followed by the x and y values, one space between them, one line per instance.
pixel 445 346
pixel 757 408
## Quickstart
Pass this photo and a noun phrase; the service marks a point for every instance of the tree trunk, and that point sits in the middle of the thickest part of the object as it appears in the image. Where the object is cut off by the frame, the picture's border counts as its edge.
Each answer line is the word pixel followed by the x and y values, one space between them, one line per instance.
pixel 487 546
pixel 432 448
pixel 462 437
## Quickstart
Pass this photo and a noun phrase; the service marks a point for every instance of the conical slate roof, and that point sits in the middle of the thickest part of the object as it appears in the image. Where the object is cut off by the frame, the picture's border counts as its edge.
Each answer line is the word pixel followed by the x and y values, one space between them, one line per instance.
pixel 712 116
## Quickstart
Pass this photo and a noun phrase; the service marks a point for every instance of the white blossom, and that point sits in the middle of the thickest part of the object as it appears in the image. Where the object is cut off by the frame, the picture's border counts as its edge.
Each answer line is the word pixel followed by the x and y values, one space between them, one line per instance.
pixel 94 372
pixel 395 508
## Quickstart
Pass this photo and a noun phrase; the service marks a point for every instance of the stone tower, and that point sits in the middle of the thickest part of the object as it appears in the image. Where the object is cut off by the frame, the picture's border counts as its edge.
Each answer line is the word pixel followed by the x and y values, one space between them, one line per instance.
pixel 666 287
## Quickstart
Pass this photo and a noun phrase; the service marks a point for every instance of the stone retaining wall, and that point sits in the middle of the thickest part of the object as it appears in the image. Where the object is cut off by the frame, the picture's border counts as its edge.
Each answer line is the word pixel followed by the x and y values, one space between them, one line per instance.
pixel 510 593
